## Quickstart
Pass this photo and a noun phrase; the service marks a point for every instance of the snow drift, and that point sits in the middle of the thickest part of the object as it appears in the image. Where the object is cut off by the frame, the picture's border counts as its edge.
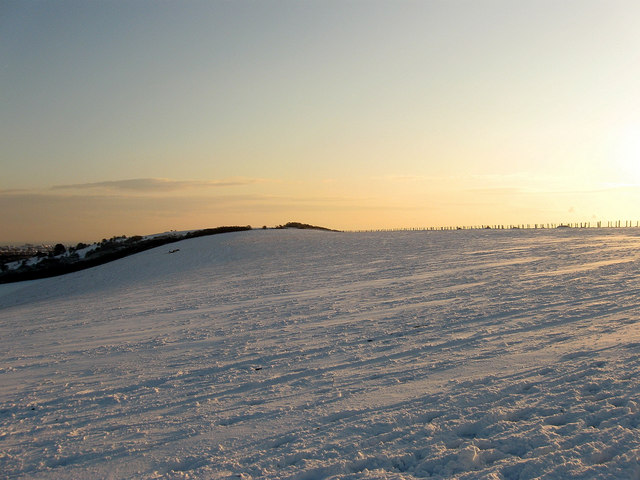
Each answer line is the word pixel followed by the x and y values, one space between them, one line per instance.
pixel 304 354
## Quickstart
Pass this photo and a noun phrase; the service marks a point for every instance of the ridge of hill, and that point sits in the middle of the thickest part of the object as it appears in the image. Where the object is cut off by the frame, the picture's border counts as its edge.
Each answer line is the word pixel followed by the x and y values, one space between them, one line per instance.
pixel 83 256
pixel 100 253
pixel 304 226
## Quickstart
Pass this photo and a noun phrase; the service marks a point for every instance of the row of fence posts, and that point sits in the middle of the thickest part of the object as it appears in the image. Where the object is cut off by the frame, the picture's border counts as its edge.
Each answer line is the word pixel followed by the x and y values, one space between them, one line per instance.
pixel 528 226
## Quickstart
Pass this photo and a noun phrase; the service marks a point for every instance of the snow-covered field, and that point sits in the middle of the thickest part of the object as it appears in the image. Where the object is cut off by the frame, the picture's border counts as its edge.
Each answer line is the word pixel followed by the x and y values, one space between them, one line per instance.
pixel 309 355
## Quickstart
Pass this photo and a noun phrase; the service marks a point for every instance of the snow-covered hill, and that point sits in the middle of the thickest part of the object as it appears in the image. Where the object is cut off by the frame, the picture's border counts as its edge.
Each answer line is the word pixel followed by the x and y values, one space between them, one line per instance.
pixel 308 355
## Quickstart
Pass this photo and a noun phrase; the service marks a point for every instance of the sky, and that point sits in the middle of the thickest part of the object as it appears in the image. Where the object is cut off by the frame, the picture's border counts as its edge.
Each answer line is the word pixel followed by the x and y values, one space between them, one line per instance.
pixel 124 118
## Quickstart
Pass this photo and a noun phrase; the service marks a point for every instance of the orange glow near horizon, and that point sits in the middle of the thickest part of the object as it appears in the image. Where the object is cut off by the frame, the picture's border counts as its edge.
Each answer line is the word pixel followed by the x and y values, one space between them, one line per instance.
pixel 139 118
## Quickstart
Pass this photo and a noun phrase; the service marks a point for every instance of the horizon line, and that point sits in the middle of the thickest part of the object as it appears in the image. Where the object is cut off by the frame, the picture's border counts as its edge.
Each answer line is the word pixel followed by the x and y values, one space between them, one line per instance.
pixel 600 224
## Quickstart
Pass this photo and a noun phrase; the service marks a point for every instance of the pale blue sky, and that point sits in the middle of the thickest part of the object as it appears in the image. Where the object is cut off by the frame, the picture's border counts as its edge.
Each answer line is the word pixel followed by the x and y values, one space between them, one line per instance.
pixel 409 107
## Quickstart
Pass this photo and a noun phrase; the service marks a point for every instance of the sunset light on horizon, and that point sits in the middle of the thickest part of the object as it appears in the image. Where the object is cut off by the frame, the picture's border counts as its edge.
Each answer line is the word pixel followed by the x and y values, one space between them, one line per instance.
pixel 320 239
pixel 142 117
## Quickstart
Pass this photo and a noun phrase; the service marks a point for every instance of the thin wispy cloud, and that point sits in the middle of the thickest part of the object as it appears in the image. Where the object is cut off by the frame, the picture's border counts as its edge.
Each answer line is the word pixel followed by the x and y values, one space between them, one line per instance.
pixel 410 178
pixel 497 190
pixel 13 191
pixel 156 185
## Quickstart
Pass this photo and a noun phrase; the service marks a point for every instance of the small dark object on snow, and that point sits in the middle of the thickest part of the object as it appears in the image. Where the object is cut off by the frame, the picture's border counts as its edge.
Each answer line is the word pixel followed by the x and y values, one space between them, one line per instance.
pixel 174 251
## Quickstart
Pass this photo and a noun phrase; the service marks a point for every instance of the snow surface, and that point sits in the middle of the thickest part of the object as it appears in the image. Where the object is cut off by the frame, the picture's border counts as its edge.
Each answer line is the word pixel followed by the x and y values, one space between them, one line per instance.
pixel 287 354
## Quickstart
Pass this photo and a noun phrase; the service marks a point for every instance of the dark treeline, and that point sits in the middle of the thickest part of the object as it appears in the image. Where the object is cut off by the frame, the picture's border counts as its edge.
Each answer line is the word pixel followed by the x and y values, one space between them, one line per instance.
pixel 304 226
pixel 103 252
